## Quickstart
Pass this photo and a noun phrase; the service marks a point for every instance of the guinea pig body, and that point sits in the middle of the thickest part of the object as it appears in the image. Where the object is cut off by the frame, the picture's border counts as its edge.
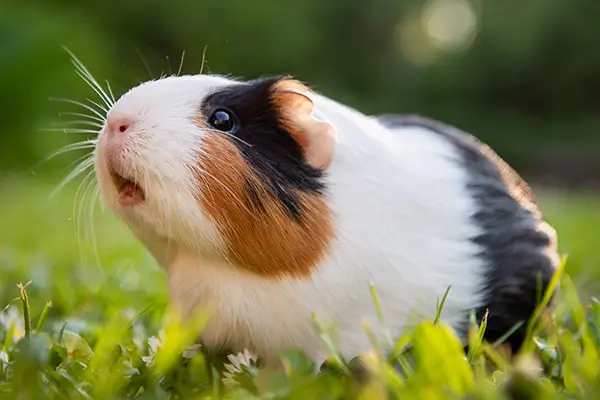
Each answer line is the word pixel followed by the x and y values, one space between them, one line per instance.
pixel 267 203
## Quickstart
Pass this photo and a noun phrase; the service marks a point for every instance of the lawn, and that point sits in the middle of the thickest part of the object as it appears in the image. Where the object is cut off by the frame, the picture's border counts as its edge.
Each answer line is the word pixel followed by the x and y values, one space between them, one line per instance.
pixel 108 298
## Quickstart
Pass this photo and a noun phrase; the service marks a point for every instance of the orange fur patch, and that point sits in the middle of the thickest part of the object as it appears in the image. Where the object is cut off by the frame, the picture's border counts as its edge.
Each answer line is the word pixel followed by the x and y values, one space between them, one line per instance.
pixel 284 98
pixel 267 242
pixel 291 100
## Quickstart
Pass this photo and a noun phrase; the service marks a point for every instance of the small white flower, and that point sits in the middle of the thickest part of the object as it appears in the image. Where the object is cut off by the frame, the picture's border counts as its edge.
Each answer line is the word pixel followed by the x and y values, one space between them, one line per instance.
pixel 11 317
pixel 191 351
pixel 244 358
pixel 128 370
pixel 139 333
pixel 8 316
pixel 3 360
pixel 155 343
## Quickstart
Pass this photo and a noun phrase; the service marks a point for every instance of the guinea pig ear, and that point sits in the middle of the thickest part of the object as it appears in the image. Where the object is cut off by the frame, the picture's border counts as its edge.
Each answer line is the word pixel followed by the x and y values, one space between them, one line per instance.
pixel 295 106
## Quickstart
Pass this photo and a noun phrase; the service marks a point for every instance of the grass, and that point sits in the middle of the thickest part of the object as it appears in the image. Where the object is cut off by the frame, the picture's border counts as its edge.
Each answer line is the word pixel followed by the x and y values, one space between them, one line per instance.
pixel 91 324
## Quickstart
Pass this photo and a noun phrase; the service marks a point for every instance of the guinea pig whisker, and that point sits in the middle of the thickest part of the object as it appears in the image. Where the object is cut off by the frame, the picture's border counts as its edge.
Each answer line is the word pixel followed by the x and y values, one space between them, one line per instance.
pixel 76 114
pixel 92 83
pixel 99 106
pixel 77 145
pixel 90 195
pixel 237 138
pixel 96 88
pixel 203 59
pixel 82 131
pixel 94 194
pixel 85 122
pixel 112 96
pixel 78 103
pixel 88 77
pixel 79 198
pixel 70 147
pixel 79 160
pixel 181 63
pixel 71 130
pixel 77 130
pixel 78 207
pixel 144 62
pixel 232 136
pixel 78 170
pixel 169 65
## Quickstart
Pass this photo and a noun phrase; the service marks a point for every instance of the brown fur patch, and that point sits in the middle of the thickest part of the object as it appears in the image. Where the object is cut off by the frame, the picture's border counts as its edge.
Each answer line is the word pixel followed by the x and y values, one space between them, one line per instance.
pixel 266 242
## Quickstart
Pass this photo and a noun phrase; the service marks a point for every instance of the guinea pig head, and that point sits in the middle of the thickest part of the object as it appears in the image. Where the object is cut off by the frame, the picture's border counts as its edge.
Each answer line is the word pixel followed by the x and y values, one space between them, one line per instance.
pixel 223 168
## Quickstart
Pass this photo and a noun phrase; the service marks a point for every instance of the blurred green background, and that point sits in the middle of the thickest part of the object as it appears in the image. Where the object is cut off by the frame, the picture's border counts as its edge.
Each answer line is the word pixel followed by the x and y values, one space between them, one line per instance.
pixel 524 76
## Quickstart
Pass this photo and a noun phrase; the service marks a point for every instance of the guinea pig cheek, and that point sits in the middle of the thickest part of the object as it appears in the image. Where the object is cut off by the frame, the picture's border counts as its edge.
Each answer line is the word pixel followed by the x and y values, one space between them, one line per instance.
pixel 264 240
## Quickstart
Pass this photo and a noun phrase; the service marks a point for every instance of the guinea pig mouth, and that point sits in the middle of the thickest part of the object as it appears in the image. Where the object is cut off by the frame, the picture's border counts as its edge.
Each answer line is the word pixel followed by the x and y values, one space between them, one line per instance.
pixel 130 193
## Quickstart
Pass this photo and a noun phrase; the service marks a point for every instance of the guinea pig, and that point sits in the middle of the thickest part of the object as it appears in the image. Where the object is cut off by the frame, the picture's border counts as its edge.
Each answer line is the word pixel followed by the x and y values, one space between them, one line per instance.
pixel 267 202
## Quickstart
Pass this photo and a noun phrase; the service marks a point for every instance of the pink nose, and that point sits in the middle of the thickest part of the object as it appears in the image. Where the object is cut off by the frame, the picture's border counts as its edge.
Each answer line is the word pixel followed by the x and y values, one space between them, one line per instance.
pixel 118 125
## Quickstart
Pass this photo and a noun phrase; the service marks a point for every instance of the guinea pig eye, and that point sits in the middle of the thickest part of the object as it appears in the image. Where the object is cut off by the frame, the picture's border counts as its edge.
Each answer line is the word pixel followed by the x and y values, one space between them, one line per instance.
pixel 222 120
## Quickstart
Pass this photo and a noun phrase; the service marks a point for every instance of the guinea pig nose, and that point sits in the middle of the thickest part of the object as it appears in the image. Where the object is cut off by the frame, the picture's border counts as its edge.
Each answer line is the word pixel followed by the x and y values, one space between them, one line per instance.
pixel 117 125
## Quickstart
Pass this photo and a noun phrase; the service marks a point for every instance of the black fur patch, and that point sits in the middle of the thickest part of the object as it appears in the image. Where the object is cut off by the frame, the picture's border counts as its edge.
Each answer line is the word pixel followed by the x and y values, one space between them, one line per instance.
pixel 512 244
pixel 272 152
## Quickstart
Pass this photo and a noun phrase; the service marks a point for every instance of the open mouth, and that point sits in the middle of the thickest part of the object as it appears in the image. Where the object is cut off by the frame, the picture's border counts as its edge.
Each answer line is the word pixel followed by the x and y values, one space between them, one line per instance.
pixel 130 193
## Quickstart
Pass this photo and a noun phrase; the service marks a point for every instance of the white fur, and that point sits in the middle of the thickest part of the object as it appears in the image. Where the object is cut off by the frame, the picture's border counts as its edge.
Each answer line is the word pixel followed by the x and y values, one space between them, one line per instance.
pixel 401 216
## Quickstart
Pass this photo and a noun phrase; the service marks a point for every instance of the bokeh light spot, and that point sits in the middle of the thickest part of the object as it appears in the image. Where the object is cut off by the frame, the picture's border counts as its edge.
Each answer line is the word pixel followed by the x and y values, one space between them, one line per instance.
pixel 450 24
